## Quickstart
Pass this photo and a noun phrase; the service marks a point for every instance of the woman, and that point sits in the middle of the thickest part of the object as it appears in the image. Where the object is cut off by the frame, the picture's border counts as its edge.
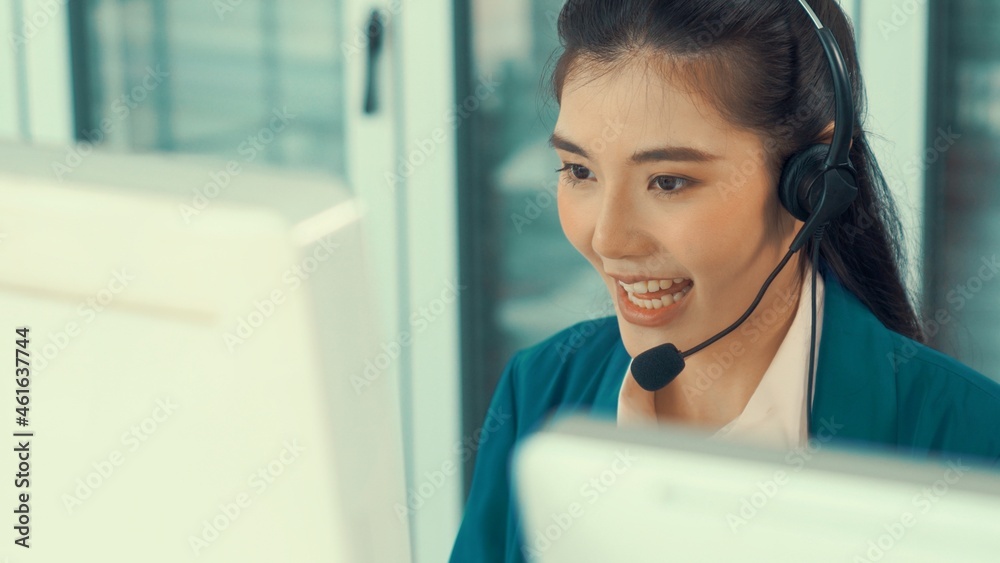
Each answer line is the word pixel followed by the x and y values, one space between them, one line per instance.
pixel 678 211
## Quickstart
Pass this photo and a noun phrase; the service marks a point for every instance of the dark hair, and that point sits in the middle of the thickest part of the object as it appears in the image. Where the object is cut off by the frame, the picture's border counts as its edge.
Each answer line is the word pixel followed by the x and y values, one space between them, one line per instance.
pixel 761 64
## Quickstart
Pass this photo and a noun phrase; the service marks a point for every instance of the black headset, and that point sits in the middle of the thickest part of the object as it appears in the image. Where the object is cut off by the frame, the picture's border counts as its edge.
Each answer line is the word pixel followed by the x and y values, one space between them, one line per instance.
pixel 817 184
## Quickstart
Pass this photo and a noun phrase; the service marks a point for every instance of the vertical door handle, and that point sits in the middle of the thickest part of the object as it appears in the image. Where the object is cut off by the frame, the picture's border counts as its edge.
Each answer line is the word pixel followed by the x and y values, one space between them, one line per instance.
pixel 376 35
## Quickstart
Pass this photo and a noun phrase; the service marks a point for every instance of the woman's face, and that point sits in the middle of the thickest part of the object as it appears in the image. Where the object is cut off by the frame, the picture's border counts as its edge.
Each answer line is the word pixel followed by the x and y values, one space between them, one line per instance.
pixel 673 206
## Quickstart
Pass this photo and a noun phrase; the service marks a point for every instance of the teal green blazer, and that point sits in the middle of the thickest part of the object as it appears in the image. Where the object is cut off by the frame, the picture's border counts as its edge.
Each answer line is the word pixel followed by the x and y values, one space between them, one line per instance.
pixel 874 388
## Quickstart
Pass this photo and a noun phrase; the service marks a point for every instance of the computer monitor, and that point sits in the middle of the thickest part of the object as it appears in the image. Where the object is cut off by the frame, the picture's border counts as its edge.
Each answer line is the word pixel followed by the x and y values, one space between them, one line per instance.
pixel 591 492
pixel 198 334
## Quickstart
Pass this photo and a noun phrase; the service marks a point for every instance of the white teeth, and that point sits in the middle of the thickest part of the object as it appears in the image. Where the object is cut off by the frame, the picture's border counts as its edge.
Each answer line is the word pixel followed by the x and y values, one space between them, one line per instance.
pixel 678 280
pixel 649 285
pixel 665 301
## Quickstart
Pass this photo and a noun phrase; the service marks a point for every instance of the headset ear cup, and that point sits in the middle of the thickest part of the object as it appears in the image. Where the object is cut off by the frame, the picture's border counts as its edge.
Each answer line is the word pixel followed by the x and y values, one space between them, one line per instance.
pixel 797 177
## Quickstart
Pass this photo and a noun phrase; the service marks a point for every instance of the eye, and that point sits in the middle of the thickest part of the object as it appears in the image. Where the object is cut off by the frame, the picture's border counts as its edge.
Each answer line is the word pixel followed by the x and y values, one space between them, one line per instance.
pixel 573 173
pixel 669 185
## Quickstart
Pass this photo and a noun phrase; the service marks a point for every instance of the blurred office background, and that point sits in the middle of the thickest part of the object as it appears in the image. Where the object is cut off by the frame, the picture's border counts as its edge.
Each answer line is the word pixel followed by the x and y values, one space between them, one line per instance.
pixel 453 164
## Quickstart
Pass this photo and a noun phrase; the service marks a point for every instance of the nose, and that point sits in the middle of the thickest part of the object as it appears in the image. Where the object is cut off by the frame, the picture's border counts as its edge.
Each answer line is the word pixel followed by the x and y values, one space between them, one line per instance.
pixel 618 230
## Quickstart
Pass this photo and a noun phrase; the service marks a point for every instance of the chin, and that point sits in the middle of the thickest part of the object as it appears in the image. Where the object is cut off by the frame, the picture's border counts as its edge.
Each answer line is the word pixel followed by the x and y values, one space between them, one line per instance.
pixel 638 339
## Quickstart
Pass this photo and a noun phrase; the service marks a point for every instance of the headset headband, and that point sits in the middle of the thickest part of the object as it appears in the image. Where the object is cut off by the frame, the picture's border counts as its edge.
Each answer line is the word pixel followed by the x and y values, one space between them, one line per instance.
pixel 839 154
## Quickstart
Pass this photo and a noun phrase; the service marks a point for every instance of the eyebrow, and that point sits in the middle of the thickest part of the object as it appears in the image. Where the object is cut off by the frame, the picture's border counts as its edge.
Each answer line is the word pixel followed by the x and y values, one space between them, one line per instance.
pixel 680 154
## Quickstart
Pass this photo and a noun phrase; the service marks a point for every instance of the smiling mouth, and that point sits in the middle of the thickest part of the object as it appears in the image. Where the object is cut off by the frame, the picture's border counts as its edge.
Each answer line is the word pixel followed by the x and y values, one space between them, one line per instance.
pixel 657 294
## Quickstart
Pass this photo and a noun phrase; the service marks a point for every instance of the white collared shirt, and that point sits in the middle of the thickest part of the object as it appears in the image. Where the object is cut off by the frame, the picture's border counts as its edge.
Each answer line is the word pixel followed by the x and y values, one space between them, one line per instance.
pixel 776 413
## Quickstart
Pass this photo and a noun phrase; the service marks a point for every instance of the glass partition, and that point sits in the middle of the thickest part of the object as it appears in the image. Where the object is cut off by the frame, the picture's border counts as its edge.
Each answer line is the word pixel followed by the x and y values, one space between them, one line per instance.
pixel 963 155
pixel 251 81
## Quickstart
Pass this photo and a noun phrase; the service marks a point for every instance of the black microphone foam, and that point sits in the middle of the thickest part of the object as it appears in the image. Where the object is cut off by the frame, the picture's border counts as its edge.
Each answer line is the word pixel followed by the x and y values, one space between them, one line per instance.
pixel 655 368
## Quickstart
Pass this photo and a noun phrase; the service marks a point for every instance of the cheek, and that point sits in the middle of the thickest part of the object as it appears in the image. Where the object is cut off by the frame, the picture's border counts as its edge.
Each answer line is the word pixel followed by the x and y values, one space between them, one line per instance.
pixel 577 224
pixel 730 236
pixel 753 228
